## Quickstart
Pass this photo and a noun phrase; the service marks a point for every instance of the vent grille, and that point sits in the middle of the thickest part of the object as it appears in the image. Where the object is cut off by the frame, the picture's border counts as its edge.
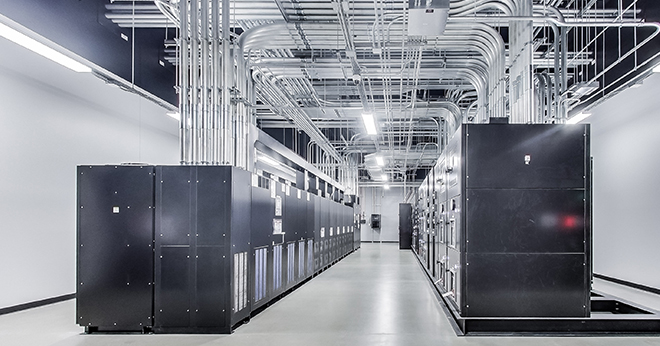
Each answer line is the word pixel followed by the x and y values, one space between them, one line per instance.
pixel 261 259
pixel 290 263
pixel 301 259
pixel 240 281
pixel 310 257
pixel 277 267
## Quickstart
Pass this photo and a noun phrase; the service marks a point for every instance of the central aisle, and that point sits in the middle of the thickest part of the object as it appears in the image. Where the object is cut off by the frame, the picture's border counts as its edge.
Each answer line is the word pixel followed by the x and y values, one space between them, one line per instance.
pixel 375 296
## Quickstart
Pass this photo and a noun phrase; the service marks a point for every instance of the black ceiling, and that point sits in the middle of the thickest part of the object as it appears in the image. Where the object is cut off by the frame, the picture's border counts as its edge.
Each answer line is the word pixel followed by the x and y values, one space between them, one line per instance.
pixel 81 27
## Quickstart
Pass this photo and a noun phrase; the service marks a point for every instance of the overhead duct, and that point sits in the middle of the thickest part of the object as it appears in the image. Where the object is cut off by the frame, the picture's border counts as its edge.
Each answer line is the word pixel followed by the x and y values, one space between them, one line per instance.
pixel 373 166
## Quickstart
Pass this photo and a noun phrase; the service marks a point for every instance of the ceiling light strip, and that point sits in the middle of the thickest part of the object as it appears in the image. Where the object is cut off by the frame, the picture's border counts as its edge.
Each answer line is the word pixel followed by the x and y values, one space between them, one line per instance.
pixel 41 49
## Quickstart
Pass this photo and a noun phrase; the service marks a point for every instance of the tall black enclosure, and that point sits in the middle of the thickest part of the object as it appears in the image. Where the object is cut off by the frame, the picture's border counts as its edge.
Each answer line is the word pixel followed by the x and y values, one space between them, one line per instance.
pixel 115 262
pixel 506 225
pixel 202 224
pixel 405 226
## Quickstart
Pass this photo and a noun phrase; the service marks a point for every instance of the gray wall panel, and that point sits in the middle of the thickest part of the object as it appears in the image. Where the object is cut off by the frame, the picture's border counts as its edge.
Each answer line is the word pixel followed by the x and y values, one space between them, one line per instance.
pixel 626 169
pixel 376 200
pixel 55 118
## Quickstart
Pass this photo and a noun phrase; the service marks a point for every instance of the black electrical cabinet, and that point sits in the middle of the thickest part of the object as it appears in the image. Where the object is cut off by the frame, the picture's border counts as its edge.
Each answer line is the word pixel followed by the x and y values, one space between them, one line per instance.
pixel 115 247
pixel 195 249
pixel 504 221
pixel 405 226
pixel 202 247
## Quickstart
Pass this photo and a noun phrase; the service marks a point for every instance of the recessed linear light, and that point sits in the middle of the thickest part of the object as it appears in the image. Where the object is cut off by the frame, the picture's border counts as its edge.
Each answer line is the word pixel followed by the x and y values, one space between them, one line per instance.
pixel 174 115
pixel 637 84
pixel 269 160
pixel 380 161
pixel 369 123
pixel 41 49
pixel 584 88
pixel 577 118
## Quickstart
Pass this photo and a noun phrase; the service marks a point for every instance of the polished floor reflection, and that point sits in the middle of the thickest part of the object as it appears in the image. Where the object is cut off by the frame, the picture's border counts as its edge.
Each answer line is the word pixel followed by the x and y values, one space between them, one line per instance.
pixel 376 296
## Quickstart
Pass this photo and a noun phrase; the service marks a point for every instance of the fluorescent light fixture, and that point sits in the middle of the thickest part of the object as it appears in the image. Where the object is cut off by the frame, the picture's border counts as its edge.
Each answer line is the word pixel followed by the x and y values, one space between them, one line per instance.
pixel 386 186
pixel 41 49
pixel 174 115
pixel 268 160
pixel 637 84
pixel 576 119
pixel 656 69
pixel 369 123
pixel 584 88
pixel 380 161
pixel 383 177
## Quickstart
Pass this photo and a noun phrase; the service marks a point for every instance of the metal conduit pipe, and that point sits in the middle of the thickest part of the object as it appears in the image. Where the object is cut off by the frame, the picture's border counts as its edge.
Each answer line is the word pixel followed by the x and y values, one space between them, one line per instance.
pixel 194 76
pixel 270 86
pixel 470 10
pixel 458 4
pixel 450 107
pixel 277 93
pixel 168 10
pixel 521 90
pixel 414 98
pixel 514 8
pixel 560 41
pixel 597 24
pixel 216 74
pixel 439 139
pixel 227 68
pixel 559 23
pixel 309 151
pixel 469 7
pixel 467 110
pixel 244 39
pixel 559 77
pixel 466 95
pixel 539 94
pixel 419 160
pixel 496 44
pixel 243 117
pixel 459 113
pixel 549 96
pixel 492 52
pixel 184 88
pixel 205 71
pixel 551 110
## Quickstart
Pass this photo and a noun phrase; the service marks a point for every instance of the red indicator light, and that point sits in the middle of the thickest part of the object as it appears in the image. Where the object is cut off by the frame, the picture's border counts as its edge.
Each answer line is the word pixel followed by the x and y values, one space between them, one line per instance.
pixel 569 222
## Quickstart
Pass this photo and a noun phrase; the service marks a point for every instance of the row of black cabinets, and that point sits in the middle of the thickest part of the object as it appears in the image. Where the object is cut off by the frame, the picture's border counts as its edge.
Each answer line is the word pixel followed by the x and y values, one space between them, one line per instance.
pixel 196 249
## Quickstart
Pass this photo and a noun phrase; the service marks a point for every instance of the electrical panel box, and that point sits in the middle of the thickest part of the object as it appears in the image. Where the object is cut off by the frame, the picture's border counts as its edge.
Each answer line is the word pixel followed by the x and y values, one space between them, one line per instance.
pixel 375 221
pixel 513 209
pixel 427 17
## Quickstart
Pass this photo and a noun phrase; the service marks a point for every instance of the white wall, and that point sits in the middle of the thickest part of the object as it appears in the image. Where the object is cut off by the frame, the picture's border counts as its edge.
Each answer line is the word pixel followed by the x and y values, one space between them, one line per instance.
pixel 625 147
pixel 52 119
pixel 376 200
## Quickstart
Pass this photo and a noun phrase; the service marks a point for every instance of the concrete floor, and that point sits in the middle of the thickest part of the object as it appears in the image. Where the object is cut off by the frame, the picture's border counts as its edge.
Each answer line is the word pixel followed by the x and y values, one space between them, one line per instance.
pixel 376 296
